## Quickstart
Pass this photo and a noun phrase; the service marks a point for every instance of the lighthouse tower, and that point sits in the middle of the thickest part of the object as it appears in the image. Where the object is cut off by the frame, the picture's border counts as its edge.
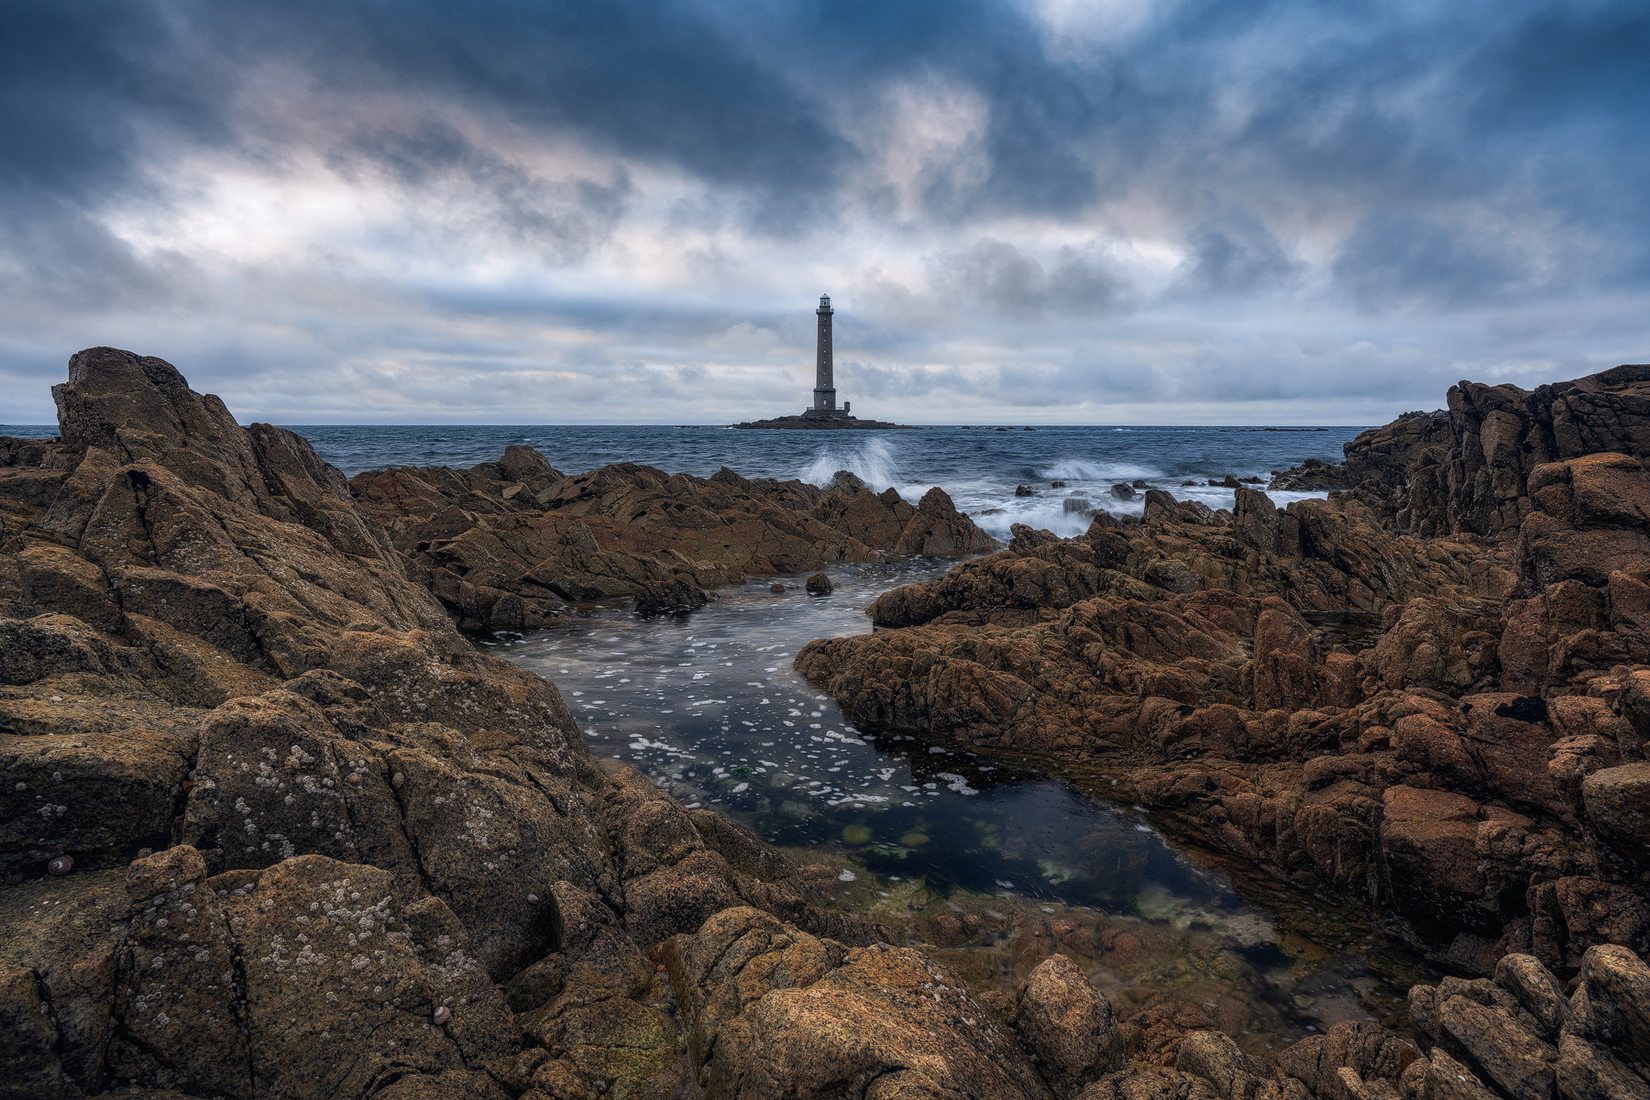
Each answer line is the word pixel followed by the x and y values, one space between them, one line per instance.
pixel 824 403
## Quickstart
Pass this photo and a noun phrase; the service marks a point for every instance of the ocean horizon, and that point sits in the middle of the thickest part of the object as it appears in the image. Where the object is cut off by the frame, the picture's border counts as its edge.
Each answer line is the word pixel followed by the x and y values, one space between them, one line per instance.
pixel 1051 477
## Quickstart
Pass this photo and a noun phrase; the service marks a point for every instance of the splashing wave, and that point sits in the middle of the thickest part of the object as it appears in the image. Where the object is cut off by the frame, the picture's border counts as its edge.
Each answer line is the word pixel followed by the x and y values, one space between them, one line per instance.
pixel 872 462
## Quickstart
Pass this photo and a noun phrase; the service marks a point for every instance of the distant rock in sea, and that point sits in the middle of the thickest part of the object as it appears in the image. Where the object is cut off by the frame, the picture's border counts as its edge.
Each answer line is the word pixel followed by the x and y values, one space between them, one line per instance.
pixel 823 424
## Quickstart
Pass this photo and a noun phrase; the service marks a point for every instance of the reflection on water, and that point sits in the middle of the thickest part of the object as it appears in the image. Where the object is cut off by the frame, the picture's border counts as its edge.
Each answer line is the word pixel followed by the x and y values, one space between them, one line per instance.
pixel 709 706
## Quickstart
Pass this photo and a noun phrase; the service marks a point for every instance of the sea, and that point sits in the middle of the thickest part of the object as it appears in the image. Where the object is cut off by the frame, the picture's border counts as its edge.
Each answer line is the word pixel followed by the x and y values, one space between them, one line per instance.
pixel 709 706
pixel 981 467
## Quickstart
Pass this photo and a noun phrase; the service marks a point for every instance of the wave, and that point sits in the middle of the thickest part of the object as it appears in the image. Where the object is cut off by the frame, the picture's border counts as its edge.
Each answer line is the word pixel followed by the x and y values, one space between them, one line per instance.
pixel 1082 469
pixel 872 462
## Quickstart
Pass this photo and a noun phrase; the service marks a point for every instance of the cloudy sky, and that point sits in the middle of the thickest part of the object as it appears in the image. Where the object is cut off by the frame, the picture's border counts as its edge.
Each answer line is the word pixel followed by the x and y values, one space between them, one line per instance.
pixel 1181 211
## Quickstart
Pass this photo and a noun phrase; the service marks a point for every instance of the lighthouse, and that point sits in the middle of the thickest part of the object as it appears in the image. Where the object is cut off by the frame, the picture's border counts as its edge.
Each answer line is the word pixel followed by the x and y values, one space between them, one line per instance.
pixel 824 368
pixel 824 403
pixel 822 412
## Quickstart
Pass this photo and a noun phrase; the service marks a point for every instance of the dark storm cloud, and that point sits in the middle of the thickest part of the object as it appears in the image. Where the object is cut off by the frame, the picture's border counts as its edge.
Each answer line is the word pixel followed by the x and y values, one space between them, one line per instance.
pixel 1394 259
pixel 1001 278
pixel 1204 167
pixel 1235 254
pixel 751 100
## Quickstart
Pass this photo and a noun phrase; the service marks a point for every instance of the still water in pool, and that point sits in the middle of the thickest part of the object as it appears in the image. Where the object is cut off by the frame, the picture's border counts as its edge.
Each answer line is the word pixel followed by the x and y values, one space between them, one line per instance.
pixel 709 706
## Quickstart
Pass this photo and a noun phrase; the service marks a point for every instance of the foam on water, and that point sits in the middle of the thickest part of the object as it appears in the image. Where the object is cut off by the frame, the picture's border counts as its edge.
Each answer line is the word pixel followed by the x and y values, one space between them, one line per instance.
pixel 1082 469
pixel 709 707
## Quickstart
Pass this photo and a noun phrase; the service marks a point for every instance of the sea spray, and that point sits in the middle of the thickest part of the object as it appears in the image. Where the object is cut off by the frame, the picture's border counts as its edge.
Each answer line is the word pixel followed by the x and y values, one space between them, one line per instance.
pixel 872 462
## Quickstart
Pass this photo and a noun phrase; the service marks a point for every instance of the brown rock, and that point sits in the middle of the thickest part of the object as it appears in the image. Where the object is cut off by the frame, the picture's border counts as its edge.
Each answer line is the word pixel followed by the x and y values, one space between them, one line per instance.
pixel 1511 1059
pixel 1611 1005
pixel 1068 1026
pixel 510 544
pixel 1618 804
pixel 777 1012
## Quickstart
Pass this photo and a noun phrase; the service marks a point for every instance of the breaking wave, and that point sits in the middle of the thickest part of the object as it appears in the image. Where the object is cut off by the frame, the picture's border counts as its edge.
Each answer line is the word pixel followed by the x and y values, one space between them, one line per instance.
pixel 872 462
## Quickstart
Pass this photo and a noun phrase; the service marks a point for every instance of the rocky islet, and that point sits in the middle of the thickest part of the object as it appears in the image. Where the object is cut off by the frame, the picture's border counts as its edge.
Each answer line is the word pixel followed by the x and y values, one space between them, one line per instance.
pixel 322 846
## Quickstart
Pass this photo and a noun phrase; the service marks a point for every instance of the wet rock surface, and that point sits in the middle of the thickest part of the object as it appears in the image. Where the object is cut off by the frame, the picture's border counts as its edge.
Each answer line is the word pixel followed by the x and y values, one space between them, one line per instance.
pixel 273 828
pixel 511 544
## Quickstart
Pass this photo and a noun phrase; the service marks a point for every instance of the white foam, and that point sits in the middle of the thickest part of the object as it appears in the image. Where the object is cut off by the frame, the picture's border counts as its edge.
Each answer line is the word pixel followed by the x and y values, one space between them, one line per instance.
pixel 872 462
pixel 1083 469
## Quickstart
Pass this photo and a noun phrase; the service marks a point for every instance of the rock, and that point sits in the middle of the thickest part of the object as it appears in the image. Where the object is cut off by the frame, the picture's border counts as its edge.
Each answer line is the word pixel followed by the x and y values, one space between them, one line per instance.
pixel 317 844
pixel 1588 1072
pixel 381 863
pixel 1216 1059
pixel 1123 491
pixel 1351 1061
pixel 1424 692
pixel 1172 576
pixel 1286 659
pixel 775 1011
pixel 510 544
pixel 673 597
pixel 1611 1006
pixel 1535 989
pixel 1618 804
pixel 819 585
pixel 1440 1077
pixel 1513 1061
pixel 1068 1026
pixel 1498 1038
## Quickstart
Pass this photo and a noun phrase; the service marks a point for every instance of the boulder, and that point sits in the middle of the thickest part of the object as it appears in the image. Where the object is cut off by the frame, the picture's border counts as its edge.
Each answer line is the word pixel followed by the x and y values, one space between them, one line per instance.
pixel 1068 1026
pixel 774 1011
pixel 1618 805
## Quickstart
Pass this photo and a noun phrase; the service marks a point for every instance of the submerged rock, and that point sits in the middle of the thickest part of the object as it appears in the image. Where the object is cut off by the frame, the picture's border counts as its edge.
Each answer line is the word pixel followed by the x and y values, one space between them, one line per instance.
pixel 672 597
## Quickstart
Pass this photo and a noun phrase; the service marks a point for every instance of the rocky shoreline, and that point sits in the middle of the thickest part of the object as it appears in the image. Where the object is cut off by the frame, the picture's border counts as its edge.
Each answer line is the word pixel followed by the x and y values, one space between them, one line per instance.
pixel 272 827
pixel 1469 759
pixel 511 544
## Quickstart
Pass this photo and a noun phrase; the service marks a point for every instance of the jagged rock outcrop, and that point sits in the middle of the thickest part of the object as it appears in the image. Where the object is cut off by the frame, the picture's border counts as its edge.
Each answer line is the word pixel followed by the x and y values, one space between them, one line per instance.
pixel 272 827
pixel 773 1011
pixel 1448 727
pixel 510 544
pixel 1468 470
pixel 1519 1036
